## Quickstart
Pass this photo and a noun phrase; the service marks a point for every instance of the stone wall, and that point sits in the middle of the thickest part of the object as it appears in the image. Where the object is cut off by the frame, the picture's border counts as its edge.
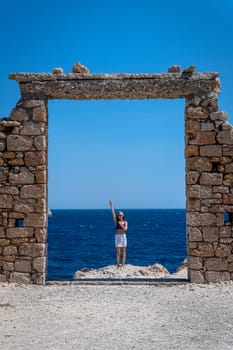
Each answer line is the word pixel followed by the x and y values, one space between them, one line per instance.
pixel 23 167
pixel 23 193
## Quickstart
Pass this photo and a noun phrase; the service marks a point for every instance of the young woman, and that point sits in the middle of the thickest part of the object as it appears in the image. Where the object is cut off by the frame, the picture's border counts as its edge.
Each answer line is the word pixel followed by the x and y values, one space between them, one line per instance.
pixel 120 237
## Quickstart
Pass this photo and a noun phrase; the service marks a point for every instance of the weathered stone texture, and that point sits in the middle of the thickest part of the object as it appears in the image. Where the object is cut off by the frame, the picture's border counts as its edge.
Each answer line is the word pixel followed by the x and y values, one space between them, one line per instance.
pixel 110 86
pixel 208 154
pixel 19 143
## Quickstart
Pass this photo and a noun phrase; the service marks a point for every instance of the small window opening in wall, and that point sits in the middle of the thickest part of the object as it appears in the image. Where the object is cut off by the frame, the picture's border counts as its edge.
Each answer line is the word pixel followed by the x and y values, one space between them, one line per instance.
pixel 227 217
pixel 20 223
pixel 215 166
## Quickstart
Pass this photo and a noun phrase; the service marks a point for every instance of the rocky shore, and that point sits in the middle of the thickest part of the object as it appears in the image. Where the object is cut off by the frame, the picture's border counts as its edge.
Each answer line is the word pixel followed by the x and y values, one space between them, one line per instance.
pixel 131 271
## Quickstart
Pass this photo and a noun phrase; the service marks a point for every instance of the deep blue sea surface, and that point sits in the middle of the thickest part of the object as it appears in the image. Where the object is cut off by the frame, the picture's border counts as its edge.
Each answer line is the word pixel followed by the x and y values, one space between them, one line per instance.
pixel 85 238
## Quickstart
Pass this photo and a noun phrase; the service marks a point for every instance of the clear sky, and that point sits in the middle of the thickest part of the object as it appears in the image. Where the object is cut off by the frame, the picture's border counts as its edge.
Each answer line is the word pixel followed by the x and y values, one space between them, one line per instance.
pixel 129 151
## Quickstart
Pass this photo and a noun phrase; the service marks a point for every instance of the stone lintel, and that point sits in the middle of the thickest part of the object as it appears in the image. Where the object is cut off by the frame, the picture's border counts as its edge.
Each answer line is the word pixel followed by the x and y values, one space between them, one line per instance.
pixel 114 86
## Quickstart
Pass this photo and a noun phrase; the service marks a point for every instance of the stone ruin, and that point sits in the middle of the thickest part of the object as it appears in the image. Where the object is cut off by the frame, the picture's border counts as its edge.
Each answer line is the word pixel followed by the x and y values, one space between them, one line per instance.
pixel 24 166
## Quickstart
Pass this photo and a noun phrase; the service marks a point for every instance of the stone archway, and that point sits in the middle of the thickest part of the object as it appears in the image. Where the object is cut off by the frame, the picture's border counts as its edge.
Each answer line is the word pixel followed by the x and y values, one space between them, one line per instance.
pixel 23 167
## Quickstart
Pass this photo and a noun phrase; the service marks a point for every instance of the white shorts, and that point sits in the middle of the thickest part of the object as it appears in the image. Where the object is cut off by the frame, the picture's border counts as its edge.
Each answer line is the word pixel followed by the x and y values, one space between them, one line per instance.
pixel 120 240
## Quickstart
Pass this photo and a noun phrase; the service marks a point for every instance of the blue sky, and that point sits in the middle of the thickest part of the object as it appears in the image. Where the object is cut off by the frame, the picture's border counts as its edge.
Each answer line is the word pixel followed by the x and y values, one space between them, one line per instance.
pixel 129 151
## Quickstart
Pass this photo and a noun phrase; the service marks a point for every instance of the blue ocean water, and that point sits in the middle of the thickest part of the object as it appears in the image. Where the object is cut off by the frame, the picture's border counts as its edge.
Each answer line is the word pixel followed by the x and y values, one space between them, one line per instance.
pixel 85 238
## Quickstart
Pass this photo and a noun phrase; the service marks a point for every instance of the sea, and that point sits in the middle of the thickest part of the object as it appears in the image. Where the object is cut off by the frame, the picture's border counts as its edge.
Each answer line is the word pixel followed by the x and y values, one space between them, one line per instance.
pixel 81 238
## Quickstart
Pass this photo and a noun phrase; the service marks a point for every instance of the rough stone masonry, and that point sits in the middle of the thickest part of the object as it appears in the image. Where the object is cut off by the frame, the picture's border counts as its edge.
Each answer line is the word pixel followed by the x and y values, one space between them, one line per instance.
pixel 24 167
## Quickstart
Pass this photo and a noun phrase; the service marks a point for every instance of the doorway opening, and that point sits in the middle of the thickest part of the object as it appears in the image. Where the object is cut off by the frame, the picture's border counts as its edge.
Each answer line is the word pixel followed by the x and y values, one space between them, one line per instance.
pixel 131 152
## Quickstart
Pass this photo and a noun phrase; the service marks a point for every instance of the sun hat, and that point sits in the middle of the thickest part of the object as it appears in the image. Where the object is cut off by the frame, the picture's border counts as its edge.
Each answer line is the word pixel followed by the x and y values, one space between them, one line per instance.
pixel 120 213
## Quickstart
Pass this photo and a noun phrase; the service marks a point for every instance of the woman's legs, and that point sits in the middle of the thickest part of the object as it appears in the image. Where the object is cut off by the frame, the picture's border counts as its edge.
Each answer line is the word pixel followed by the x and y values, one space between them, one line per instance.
pixel 120 251
pixel 118 257
pixel 123 256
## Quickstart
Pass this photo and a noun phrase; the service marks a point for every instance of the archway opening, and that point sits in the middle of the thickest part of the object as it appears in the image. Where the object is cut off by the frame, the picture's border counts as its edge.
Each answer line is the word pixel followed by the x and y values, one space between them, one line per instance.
pixel 131 152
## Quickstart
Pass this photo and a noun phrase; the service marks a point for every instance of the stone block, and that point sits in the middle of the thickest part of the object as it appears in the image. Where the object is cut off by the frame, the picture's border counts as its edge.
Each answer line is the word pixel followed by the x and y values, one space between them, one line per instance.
pixel 227 198
pixel 6 201
pixel 20 240
pixel 195 263
pixel 220 189
pixel 229 168
pixel 216 277
pixel 24 207
pixel 9 155
pixel 225 231
pixel 10 258
pixel 192 177
pixel 10 250
pixel 19 143
pixel 35 159
pixel 193 191
pixel 223 250
pixel 207 126
pixel 196 276
pixel 9 190
pixel 191 245
pixel 211 179
pixel 194 234
pixel 230 267
pixel 23 265
pixel 41 235
pixel 16 161
pixel 33 191
pixel 7 266
pixel 203 138
pixel 193 219
pixel 32 250
pixel 199 164
pixel 2 145
pixel 208 219
pixel 40 143
pixel 20 278
pixel 39 264
pixel 39 114
pixel 196 113
pixel 174 69
pixel 191 151
pixel 210 234
pixel 2 232
pixel 219 115
pixel 39 278
pixel 33 103
pixel 19 232
pixel 32 129
pixel 2 278
pixel 192 126
pixel 216 264
pixel 23 177
pixel 35 220
pixel 226 240
pixel 204 249
pixel 193 204
pixel 225 137
pixel 16 215
pixel 19 114
pixel 41 177
pixel 211 151
pixel 41 205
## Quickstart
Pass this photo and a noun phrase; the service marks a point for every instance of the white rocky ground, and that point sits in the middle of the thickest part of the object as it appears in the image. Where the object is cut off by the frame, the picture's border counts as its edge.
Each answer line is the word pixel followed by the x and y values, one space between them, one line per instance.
pixel 119 317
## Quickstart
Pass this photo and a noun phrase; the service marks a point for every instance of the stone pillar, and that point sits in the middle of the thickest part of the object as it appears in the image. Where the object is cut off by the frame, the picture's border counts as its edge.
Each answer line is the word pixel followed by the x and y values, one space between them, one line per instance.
pixel 23 193
pixel 209 179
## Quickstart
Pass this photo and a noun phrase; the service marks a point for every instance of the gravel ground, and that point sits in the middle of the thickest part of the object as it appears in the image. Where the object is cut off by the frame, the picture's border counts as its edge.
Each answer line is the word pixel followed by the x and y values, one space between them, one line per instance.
pixel 93 317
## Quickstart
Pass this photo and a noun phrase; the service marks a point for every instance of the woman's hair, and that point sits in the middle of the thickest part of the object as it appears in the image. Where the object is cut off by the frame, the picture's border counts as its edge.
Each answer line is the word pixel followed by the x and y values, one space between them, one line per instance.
pixel 120 213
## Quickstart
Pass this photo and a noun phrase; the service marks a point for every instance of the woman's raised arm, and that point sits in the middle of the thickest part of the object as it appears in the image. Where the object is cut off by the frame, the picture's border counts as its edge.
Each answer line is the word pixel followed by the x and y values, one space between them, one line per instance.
pixel 113 211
